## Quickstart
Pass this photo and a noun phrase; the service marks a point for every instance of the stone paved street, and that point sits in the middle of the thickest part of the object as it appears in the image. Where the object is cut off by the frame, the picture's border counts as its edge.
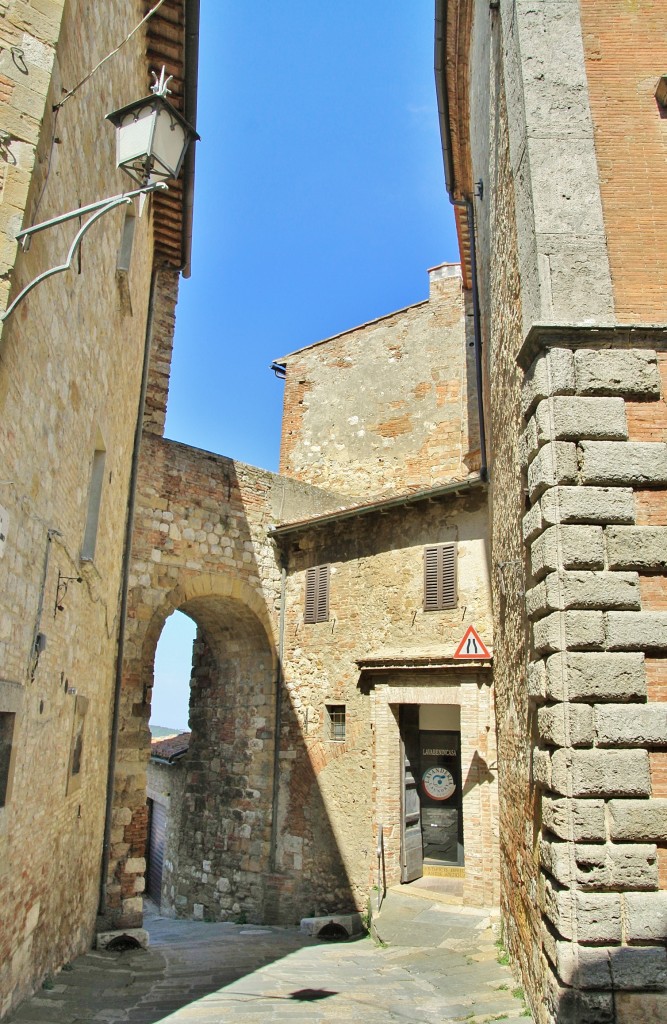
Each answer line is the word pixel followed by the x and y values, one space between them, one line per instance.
pixel 434 963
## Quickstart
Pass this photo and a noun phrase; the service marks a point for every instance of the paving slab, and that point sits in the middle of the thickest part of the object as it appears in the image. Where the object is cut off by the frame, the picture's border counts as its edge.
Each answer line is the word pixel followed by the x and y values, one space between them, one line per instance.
pixel 431 963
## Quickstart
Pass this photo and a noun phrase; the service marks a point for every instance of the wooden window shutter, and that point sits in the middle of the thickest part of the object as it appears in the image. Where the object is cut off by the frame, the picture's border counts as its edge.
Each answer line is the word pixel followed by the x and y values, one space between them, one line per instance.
pixel 439 577
pixel 317 594
pixel 322 593
pixel 448 575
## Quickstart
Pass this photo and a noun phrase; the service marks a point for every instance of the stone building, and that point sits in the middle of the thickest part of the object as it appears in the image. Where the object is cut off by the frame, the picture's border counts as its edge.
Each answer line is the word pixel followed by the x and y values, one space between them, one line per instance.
pixel 72 376
pixel 387 416
pixel 554 139
pixel 329 711
pixel 325 686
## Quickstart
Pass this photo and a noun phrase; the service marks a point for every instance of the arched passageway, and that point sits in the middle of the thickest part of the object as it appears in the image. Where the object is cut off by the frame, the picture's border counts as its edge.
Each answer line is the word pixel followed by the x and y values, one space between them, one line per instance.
pixel 202 545
pixel 221 825
pixel 218 844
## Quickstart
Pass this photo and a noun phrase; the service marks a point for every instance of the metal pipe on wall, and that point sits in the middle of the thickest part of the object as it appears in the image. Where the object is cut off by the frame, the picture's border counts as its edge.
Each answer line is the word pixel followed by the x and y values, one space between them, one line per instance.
pixel 278 722
pixel 477 332
pixel 125 577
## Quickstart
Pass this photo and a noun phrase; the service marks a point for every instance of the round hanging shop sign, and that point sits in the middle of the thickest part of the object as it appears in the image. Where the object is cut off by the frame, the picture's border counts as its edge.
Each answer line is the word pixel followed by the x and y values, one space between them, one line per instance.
pixel 438 783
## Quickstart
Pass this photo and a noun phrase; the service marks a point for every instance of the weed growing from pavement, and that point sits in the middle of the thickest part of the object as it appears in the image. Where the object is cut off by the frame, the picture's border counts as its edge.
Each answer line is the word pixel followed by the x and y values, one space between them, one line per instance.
pixel 367 917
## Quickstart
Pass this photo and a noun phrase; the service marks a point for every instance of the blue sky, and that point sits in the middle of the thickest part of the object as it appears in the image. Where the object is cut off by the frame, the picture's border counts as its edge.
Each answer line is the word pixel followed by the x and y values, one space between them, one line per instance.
pixel 320 203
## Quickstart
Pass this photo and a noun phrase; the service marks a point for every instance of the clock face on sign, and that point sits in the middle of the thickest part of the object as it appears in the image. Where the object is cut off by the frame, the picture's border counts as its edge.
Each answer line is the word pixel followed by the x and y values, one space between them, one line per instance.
pixel 438 783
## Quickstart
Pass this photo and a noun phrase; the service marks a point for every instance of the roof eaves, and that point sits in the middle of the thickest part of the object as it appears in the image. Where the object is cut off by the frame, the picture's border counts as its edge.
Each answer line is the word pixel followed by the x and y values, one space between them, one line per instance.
pixel 172 39
pixel 423 662
pixel 451 489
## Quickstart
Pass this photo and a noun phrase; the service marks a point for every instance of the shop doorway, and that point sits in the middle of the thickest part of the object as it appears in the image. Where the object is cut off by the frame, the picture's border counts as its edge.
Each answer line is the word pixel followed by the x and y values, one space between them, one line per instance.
pixel 432 818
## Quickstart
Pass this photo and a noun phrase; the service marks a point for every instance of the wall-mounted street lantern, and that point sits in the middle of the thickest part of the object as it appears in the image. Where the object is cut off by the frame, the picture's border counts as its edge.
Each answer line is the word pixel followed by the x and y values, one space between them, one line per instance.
pixel 152 139
pixel 151 136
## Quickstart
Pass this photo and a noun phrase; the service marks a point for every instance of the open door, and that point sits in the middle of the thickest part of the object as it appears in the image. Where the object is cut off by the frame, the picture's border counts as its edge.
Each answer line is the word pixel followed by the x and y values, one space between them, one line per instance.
pixel 412 854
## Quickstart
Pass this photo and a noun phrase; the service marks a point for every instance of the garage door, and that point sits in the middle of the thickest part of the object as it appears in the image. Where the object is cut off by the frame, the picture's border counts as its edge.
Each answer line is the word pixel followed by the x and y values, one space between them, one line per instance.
pixel 157 834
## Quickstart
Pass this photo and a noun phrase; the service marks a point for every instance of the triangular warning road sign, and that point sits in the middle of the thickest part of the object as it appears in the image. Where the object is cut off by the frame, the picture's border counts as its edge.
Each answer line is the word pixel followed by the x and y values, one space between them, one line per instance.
pixel 471 647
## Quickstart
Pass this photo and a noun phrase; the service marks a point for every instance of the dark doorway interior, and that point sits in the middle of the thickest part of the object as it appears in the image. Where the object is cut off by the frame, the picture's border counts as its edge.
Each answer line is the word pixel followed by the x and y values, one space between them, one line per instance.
pixel 432 796
pixel 440 794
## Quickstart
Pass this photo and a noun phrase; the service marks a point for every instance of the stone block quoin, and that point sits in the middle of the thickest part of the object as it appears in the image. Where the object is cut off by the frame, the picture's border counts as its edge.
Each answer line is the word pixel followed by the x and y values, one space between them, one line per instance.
pixel 595 535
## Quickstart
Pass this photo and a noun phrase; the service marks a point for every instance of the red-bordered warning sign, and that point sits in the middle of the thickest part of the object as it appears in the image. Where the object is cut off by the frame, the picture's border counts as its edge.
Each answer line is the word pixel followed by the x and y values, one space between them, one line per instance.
pixel 471 647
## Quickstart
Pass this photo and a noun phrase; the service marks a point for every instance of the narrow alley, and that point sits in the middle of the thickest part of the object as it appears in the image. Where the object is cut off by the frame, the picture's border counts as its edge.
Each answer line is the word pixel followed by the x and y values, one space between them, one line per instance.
pixel 431 962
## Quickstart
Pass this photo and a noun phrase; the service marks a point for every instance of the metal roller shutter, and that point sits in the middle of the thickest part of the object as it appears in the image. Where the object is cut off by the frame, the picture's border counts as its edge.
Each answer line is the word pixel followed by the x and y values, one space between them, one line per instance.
pixel 157 836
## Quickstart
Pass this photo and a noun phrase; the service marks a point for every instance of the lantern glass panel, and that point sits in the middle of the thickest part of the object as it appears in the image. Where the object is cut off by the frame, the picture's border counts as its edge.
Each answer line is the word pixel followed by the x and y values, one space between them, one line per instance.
pixel 169 143
pixel 135 135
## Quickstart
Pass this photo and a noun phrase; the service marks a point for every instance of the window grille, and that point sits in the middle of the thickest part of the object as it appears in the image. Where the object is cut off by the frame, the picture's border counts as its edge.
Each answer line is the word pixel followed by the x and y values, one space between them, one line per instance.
pixel 317 594
pixel 336 722
pixel 439 577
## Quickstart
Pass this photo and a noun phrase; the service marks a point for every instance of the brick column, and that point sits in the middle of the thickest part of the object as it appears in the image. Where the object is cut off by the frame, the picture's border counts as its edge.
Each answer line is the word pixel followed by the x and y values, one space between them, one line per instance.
pixel 594 619
pixel 387 797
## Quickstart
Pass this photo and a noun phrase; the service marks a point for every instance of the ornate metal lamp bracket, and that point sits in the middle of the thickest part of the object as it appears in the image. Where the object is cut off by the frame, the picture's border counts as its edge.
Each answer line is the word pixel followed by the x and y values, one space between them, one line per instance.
pixel 97 210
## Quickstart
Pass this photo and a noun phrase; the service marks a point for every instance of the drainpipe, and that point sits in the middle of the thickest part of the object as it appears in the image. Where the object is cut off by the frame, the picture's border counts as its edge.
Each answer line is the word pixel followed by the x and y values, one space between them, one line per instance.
pixel 451 186
pixel 477 329
pixel 191 62
pixel 125 576
pixel 273 857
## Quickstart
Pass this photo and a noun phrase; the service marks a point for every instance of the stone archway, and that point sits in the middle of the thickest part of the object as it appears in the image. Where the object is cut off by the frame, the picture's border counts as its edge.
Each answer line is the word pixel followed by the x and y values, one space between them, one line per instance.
pixel 221 831
pixel 200 544
pixel 220 845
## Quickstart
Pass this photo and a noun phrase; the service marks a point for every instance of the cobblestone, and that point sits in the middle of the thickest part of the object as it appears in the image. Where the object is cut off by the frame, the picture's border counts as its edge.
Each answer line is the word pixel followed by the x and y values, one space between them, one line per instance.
pixel 432 963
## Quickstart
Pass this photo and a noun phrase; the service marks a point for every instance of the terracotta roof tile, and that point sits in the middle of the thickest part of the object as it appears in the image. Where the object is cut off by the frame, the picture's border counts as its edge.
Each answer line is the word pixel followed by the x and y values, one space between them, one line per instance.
pixel 172 747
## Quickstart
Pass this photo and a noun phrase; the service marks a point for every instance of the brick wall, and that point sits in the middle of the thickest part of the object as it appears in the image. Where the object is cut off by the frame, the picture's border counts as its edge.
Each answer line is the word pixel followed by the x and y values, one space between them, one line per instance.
pixel 28 36
pixel 199 544
pixel 388 406
pixel 164 320
pixel 625 57
pixel 567 139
